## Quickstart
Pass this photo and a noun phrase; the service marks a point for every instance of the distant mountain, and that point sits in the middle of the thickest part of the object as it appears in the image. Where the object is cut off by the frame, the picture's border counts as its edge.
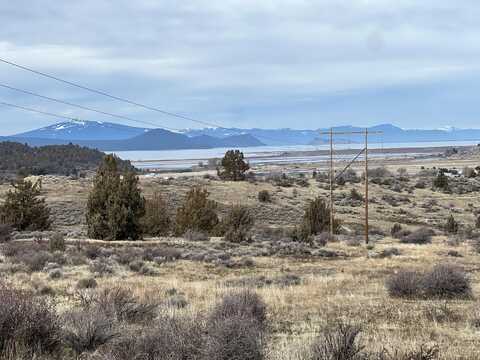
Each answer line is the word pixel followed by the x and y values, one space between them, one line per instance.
pixel 143 139
pixel 266 136
pixel 115 137
pixel 84 130
pixel 394 134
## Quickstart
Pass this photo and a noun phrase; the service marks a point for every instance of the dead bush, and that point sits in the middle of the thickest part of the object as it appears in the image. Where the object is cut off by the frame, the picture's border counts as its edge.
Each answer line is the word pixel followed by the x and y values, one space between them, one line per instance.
pixel 27 321
pixel 85 330
pixel 245 303
pixel 340 342
pixel 121 304
pixel 446 281
pixel 234 337
pixel 420 236
pixel 192 235
pixel 404 284
pixel 170 337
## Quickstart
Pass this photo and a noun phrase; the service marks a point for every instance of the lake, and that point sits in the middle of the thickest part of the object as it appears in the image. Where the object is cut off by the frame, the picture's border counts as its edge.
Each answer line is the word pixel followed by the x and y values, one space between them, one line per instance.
pixel 184 159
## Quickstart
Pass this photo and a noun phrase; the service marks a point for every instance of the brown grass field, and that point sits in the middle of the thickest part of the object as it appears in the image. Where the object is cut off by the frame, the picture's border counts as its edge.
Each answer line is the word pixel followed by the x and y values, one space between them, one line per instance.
pixel 348 287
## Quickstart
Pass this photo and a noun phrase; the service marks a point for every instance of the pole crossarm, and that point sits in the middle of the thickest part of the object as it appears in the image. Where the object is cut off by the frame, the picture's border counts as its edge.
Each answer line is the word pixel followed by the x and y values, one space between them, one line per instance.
pixel 333 178
pixel 350 132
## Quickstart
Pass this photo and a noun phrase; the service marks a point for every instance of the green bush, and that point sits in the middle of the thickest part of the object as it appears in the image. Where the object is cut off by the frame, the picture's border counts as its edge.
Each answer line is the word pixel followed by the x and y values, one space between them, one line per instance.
pixel 156 221
pixel 23 207
pixel 440 181
pixel 197 213
pixel 233 166
pixel 451 226
pixel 5 233
pixel 115 205
pixel 316 220
pixel 238 224
pixel 56 242
pixel 264 196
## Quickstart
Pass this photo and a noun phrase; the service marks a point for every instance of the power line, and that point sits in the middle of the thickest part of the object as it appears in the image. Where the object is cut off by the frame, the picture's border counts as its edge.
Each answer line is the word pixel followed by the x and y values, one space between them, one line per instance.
pixel 84 107
pixel 131 102
pixel 103 93
pixel 41 112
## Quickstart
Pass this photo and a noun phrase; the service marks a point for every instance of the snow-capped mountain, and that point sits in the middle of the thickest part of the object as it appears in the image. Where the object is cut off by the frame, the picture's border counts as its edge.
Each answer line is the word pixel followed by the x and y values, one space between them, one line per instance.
pixel 84 130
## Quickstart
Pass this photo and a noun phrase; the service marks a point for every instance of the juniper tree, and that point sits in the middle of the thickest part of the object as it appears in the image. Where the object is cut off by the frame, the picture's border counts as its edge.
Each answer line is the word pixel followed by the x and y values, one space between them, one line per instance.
pixel 24 209
pixel 233 166
pixel 197 213
pixel 115 205
pixel 315 220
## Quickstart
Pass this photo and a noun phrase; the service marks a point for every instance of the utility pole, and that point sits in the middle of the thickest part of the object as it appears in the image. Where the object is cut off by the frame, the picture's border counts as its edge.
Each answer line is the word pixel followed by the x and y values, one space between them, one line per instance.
pixel 331 184
pixel 366 186
pixel 332 178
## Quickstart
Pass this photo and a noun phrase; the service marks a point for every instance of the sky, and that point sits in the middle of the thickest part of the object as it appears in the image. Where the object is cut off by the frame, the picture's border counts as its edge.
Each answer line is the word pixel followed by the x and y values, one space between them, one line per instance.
pixel 246 63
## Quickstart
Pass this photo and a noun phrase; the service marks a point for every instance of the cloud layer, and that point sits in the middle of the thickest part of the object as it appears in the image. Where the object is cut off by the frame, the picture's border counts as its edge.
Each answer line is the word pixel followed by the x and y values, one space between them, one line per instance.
pixel 283 63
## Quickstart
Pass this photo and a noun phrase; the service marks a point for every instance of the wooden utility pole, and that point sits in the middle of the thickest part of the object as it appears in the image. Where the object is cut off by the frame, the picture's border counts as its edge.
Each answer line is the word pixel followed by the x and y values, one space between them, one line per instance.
pixel 331 185
pixel 366 186
pixel 332 178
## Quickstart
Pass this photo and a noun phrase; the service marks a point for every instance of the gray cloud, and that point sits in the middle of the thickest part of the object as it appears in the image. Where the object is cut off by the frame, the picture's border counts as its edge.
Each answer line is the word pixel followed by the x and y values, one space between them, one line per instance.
pixel 244 62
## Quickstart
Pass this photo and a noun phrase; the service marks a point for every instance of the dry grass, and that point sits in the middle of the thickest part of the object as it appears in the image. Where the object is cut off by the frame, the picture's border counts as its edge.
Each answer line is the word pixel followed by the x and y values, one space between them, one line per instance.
pixel 351 288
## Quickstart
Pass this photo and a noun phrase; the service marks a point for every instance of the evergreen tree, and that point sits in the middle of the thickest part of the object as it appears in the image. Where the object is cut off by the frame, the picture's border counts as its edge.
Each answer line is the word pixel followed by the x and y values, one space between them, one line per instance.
pixel 156 221
pixel 115 205
pixel 233 166
pixel 24 209
pixel 197 213
pixel 316 220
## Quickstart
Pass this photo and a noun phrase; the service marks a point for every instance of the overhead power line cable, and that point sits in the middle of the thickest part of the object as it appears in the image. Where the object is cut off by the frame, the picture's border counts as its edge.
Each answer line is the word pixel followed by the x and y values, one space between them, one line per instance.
pixel 85 107
pixel 103 93
pixel 128 101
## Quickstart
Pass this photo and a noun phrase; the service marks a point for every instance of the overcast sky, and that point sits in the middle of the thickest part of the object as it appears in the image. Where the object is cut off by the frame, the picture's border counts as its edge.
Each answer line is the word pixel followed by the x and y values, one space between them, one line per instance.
pixel 248 63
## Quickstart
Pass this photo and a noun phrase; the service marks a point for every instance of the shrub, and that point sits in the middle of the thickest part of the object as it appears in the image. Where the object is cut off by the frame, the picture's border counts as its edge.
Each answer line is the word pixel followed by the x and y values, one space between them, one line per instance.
pixel 234 337
pixel 170 337
pixel 56 242
pixel 115 205
pixel 355 195
pixel 396 228
pixel 237 224
pixel 24 209
pixel 233 166
pixel 87 283
pixel 440 181
pixel 316 220
pixel 446 281
pixel 35 261
pixel 197 213
pixel 338 343
pixel 27 321
pixel 264 196
pixel 451 226
pixel 244 304
pixel 5 233
pixel 340 181
pixel 156 222
pixel 193 235
pixel 420 236
pixel 121 304
pixel 404 284
pixel 86 330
